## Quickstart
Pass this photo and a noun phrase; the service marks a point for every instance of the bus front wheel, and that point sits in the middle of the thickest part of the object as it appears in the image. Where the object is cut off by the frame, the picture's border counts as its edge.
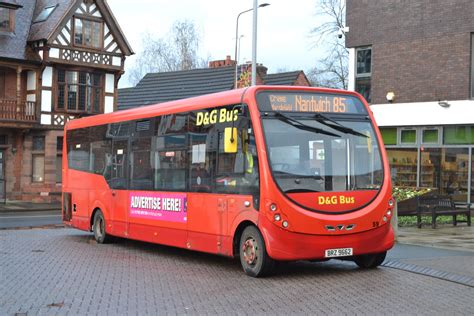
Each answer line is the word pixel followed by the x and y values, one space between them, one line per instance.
pixel 370 261
pixel 99 228
pixel 253 254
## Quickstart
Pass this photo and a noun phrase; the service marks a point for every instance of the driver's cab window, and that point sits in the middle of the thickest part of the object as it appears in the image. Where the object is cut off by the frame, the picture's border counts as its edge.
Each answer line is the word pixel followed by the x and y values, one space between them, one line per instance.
pixel 211 168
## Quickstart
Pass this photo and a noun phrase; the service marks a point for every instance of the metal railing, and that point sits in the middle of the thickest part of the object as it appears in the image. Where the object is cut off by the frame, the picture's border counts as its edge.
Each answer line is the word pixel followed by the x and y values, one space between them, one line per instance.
pixel 24 111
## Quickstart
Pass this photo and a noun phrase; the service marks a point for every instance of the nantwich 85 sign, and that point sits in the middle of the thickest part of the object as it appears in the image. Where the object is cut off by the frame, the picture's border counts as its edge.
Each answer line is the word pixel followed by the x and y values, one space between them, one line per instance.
pixel 309 103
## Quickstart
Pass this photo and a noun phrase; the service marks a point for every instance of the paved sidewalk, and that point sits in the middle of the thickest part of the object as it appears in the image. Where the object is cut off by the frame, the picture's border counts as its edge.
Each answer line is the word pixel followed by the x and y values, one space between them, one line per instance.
pixel 63 271
pixel 450 265
pixel 446 236
pixel 19 206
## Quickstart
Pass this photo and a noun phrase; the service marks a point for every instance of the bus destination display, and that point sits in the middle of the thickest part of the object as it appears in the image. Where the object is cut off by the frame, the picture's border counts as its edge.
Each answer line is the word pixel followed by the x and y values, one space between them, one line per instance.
pixel 310 103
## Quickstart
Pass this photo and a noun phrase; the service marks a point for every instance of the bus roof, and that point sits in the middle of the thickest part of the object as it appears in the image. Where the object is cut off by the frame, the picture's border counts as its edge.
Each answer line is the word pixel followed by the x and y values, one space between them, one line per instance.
pixel 190 104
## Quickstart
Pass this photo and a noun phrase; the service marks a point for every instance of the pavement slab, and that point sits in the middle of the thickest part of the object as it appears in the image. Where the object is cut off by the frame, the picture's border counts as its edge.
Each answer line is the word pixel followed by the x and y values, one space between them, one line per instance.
pixel 63 271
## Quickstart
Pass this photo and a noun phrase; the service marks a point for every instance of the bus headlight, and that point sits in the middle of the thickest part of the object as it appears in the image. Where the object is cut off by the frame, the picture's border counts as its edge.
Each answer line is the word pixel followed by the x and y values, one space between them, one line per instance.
pixel 284 224
pixel 273 207
pixel 277 217
pixel 391 203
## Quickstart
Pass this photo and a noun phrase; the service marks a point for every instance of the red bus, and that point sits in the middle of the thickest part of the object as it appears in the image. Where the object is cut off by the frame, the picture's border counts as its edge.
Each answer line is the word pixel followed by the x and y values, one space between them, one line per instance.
pixel 267 173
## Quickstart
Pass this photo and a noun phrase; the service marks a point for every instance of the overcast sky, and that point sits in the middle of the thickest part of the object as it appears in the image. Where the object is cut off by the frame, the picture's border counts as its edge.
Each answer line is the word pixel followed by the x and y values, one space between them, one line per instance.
pixel 283 28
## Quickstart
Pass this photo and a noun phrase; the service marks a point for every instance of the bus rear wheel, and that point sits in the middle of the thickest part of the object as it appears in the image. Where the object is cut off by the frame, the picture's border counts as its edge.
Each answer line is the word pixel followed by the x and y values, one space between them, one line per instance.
pixel 99 228
pixel 370 261
pixel 253 254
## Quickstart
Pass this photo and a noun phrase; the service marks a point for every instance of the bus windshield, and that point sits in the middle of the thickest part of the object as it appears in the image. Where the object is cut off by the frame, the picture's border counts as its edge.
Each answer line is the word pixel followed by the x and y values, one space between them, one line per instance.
pixel 327 151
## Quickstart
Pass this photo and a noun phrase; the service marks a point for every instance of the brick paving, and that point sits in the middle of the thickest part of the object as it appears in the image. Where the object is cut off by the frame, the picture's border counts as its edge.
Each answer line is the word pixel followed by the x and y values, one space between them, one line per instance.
pixel 62 271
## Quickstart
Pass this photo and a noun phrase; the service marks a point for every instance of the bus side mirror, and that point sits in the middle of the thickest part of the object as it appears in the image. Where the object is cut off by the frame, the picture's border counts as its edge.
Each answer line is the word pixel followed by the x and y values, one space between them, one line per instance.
pixel 230 140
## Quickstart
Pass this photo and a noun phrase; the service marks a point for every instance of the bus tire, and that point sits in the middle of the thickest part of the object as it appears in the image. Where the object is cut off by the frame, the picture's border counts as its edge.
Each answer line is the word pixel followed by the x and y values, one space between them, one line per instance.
pixel 99 228
pixel 253 254
pixel 370 261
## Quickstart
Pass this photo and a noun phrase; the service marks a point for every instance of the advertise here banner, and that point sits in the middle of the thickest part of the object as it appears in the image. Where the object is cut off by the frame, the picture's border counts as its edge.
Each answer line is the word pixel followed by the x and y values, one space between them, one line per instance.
pixel 163 206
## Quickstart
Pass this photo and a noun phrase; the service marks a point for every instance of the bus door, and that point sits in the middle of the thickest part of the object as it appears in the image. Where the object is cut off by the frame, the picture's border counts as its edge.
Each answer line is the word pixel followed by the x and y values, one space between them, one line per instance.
pixel 118 184
pixel 220 182
pixel 207 208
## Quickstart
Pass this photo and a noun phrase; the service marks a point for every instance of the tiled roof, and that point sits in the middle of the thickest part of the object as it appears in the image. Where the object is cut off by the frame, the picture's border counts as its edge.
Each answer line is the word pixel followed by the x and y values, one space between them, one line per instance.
pixel 168 86
pixel 43 30
pixel 15 45
pixel 282 79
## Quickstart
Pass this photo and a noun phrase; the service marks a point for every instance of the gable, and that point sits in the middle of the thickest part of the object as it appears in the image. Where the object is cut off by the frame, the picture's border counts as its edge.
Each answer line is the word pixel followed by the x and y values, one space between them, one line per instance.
pixel 88 35
pixel 86 17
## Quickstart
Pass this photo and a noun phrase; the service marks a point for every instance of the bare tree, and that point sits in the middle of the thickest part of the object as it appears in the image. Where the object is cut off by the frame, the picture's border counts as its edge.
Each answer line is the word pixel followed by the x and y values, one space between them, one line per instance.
pixel 177 51
pixel 332 70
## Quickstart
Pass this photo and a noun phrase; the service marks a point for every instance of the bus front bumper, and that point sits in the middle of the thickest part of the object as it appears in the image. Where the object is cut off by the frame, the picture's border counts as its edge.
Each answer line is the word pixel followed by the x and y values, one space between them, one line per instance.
pixel 285 245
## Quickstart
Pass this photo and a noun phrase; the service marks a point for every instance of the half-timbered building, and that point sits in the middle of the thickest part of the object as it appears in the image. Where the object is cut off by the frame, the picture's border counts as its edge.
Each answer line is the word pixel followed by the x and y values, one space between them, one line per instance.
pixel 59 60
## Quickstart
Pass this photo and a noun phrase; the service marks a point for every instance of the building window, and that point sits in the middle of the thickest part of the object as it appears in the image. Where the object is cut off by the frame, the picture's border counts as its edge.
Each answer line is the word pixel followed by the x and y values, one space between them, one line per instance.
pixel 363 82
pixel 2 84
pixel 458 135
pixel 45 13
pixel 408 136
pixel 88 33
pixel 79 91
pixel 389 135
pixel 38 159
pixel 472 66
pixel 59 159
pixel 430 136
pixel 7 18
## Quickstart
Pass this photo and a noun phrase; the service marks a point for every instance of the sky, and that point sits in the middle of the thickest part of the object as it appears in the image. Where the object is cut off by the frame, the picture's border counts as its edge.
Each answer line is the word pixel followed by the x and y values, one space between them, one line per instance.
pixel 284 41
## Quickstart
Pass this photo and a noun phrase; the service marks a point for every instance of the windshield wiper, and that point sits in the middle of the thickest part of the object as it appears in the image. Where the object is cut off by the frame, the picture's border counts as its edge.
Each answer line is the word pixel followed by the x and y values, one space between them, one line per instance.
pixel 302 126
pixel 323 119
pixel 297 175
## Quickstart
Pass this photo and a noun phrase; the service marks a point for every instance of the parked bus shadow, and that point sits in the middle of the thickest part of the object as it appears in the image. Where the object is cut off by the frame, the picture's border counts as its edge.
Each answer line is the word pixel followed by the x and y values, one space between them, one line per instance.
pixel 281 270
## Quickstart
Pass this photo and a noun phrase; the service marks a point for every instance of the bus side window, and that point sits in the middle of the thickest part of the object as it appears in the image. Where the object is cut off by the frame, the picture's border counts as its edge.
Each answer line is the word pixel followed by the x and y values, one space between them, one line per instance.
pixel 79 149
pixel 169 153
pixel 202 152
pixel 100 149
pixel 140 164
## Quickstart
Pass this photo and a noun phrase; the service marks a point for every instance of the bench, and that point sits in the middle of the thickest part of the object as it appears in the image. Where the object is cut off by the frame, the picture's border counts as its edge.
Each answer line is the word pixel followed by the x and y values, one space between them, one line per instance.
pixel 437 205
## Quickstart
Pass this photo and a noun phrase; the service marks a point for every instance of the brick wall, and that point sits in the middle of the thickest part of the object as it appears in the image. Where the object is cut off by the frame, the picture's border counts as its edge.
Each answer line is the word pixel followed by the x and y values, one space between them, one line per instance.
pixel 420 49
pixel 302 80
pixel 18 166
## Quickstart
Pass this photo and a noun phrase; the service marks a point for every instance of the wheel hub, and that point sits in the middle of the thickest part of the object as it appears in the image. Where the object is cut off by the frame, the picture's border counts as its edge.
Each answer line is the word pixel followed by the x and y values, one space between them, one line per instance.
pixel 249 249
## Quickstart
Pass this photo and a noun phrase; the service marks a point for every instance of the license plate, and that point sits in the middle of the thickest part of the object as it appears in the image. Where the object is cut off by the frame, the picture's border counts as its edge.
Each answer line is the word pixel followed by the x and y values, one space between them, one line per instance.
pixel 340 252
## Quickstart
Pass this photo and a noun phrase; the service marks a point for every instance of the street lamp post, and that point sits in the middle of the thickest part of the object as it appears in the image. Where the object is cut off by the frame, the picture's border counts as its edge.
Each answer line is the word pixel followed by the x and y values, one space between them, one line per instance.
pixel 237 38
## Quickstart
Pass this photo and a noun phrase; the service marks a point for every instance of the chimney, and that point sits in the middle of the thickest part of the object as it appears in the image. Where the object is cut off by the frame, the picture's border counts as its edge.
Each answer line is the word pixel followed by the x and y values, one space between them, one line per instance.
pixel 222 63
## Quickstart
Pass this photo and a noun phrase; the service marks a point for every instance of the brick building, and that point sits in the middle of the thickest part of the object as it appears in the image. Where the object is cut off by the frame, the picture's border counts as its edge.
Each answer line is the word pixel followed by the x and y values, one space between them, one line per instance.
pixel 59 60
pixel 413 61
pixel 220 76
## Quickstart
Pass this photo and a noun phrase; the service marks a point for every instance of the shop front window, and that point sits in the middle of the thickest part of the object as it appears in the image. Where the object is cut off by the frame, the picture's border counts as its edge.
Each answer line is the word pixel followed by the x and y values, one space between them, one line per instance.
pixel 446 171
pixel 429 169
pixel 454 173
pixel 472 177
pixel 403 166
